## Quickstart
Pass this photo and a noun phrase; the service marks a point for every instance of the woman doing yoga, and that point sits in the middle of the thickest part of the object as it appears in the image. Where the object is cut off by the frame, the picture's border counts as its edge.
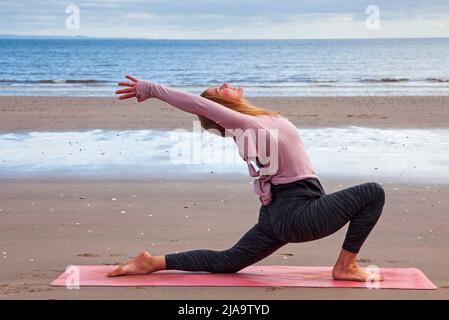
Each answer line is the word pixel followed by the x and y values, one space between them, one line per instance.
pixel 294 206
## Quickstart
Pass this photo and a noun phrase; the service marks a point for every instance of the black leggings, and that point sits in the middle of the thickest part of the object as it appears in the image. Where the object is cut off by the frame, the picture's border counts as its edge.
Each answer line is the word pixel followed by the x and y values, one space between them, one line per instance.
pixel 300 211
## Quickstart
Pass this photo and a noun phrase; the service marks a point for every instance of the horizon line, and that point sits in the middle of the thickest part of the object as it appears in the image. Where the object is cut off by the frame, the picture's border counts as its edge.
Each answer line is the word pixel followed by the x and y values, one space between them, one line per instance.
pixel 9 36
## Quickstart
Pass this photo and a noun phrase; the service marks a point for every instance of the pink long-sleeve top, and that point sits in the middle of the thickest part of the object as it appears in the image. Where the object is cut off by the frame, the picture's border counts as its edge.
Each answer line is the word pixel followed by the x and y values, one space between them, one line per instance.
pixel 273 143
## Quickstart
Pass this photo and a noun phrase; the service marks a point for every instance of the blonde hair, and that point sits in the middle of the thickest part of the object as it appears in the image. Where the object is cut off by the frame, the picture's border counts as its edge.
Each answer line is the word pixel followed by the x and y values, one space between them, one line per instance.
pixel 242 105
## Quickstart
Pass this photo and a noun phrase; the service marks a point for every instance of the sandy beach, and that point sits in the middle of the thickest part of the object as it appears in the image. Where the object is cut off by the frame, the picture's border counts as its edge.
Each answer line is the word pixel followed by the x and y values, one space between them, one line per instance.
pixel 63 113
pixel 48 223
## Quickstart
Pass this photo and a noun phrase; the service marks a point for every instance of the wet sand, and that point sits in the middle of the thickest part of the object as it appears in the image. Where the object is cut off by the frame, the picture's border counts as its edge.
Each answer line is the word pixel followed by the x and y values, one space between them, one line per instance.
pixel 62 113
pixel 49 223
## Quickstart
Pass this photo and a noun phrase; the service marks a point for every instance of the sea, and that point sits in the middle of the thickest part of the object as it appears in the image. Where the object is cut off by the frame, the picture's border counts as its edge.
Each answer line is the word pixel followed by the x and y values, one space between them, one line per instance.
pixel 92 67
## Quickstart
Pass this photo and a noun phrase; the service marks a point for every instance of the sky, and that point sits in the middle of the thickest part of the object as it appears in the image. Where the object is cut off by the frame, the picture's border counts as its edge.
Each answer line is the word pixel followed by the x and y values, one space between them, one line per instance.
pixel 226 19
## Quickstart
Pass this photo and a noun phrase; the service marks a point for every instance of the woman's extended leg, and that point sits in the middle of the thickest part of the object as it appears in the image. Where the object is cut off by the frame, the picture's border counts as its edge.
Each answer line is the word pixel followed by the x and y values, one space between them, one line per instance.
pixel 360 205
pixel 259 242
pixel 255 245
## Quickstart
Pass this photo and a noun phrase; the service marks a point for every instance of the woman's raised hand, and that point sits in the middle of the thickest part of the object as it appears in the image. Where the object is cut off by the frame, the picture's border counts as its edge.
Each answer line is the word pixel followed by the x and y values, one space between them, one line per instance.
pixel 130 90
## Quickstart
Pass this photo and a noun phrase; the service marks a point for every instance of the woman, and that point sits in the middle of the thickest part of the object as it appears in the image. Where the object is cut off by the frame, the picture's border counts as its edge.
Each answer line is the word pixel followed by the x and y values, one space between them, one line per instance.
pixel 295 207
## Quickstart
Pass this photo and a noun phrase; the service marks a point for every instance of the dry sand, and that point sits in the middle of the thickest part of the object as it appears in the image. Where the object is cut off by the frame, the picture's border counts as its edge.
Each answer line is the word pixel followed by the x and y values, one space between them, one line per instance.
pixel 49 223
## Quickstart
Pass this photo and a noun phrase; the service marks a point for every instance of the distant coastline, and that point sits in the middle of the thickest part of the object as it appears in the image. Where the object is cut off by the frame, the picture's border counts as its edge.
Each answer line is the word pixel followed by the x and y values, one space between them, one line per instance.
pixel 75 37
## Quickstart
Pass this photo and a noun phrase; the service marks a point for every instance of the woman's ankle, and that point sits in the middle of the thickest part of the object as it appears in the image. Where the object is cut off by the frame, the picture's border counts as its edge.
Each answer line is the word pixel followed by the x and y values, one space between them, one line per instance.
pixel 346 259
pixel 159 263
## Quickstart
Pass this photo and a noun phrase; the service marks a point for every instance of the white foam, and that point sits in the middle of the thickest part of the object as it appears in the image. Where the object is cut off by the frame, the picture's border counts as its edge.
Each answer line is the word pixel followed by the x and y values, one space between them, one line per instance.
pixel 401 154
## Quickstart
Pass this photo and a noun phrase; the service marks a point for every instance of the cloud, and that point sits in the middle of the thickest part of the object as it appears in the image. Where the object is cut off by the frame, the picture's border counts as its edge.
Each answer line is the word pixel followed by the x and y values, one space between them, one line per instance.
pixel 225 18
pixel 439 24
pixel 140 16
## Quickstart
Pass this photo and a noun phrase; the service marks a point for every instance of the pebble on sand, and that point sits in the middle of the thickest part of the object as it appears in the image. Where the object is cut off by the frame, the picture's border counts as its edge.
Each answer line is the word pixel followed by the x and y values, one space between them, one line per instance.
pixel 113 199
pixel 123 211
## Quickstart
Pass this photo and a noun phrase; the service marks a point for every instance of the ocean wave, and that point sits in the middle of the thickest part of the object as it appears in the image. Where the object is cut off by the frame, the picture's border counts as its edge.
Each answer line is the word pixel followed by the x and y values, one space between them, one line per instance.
pixel 323 81
pixel 256 83
pixel 385 80
pixel 55 81
pixel 439 80
pixel 396 80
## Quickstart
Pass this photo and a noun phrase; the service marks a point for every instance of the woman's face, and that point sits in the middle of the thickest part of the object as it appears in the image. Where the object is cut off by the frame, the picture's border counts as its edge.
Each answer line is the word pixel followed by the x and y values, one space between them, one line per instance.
pixel 227 91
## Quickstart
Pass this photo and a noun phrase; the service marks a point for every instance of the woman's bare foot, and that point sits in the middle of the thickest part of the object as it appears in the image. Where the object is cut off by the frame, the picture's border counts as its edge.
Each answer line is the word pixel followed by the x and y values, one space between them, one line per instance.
pixel 142 264
pixel 346 268
pixel 354 273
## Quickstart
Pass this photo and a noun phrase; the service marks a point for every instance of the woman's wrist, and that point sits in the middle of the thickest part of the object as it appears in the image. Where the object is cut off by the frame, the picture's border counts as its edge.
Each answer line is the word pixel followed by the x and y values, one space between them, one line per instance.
pixel 143 90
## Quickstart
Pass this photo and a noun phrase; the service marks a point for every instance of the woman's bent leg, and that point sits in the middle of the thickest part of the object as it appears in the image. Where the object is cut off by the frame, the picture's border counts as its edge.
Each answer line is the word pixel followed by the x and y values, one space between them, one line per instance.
pixel 360 205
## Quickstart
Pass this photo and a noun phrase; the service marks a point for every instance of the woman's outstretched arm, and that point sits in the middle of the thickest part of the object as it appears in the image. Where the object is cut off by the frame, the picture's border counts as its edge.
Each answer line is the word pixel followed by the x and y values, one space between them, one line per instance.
pixel 223 116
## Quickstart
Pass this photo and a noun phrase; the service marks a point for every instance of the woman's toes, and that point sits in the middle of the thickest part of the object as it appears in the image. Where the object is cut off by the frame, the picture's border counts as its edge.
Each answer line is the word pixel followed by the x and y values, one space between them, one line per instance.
pixel 141 264
pixel 116 272
pixel 372 276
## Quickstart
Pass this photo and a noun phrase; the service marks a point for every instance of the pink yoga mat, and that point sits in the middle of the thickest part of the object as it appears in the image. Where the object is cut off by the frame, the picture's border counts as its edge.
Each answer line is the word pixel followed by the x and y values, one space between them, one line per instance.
pixel 252 276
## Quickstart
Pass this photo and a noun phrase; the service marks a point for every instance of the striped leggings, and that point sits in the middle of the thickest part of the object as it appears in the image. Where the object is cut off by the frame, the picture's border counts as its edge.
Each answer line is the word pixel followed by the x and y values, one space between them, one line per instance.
pixel 300 211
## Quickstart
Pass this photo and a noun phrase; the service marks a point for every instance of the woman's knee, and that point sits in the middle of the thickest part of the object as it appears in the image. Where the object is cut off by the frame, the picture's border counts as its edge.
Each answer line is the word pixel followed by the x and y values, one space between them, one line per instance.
pixel 378 202
pixel 378 192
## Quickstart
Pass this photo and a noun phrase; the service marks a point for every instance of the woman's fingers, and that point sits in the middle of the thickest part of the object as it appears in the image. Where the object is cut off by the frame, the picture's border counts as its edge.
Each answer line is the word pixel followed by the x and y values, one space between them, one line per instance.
pixel 130 90
pixel 127 95
pixel 126 84
pixel 125 90
pixel 130 77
